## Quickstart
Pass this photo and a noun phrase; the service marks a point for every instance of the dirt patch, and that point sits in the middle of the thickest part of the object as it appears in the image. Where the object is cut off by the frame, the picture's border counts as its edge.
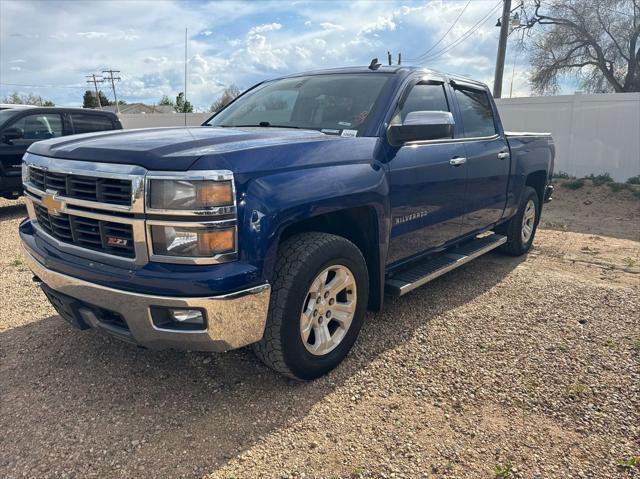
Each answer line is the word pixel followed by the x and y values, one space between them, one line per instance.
pixel 593 210
pixel 528 364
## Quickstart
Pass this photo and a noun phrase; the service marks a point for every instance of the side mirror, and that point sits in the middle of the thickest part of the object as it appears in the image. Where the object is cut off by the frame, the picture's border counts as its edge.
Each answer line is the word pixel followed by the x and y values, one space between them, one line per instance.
pixel 421 126
pixel 11 134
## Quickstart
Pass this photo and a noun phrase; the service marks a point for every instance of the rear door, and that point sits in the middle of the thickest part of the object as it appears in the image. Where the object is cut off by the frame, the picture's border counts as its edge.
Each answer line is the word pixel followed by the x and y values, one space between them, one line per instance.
pixel 89 123
pixel 34 127
pixel 487 154
pixel 426 189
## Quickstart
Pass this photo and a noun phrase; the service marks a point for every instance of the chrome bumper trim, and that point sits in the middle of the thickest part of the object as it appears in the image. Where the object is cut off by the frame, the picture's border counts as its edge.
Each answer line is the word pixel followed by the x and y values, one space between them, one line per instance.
pixel 233 320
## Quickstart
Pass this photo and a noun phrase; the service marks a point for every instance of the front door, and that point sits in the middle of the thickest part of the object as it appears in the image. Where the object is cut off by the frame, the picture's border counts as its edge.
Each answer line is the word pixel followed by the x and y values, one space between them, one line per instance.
pixel 426 189
pixel 488 159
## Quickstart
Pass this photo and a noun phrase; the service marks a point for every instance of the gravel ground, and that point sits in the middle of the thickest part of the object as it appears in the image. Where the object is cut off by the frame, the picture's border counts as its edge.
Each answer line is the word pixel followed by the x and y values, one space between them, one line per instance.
pixel 529 365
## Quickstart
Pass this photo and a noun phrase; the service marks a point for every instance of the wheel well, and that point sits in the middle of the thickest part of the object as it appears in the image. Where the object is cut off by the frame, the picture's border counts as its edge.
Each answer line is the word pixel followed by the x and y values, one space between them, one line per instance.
pixel 358 225
pixel 537 180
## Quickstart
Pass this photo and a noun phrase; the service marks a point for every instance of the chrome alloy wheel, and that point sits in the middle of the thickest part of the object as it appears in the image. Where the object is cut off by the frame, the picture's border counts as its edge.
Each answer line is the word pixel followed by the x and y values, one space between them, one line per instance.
pixel 528 221
pixel 328 310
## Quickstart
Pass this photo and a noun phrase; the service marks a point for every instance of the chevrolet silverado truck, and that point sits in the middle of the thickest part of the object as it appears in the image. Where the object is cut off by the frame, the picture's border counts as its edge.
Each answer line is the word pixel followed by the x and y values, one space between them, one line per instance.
pixel 284 217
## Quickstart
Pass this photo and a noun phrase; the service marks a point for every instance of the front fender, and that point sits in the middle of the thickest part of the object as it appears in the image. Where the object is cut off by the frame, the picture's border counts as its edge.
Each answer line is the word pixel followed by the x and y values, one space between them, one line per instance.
pixel 271 203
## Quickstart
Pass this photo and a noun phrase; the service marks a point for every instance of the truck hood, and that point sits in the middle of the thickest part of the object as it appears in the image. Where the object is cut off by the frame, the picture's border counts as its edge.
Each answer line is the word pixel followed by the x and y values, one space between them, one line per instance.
pixel 175 149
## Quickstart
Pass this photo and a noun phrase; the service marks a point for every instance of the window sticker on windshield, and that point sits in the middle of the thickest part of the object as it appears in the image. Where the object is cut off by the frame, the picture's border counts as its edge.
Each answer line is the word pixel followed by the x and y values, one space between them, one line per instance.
pixel 349 133
pixel 330 131
pixel 344 123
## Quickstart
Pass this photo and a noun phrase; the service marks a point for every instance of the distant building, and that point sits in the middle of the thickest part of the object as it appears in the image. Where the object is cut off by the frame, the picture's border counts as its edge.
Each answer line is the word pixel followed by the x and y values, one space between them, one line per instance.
pixel 140 109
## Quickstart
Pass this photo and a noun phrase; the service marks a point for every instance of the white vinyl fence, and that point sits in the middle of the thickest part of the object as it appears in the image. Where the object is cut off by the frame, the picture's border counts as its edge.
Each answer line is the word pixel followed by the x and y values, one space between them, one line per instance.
pixel 592 133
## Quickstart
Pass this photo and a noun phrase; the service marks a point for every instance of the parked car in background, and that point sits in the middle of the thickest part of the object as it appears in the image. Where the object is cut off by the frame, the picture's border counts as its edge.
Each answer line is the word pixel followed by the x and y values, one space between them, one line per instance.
pixel 21 126
pixel 284 218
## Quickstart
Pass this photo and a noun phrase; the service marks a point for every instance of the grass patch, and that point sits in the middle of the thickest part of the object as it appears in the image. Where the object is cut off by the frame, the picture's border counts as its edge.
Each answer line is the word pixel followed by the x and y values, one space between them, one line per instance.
pixel 576 389
pixel 502 471
pixel 617 187
pixel 636 345
pixel 563 175
pixel 634 180
pixel 19 264
pixel 599 180
pixel 357 472
pixel 574 184
pixel 628 464
pixel 630 262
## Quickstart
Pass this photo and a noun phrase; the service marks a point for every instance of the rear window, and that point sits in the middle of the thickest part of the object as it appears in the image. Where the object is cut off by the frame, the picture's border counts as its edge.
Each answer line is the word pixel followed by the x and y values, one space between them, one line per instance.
pixel 476 113
pixel 83 123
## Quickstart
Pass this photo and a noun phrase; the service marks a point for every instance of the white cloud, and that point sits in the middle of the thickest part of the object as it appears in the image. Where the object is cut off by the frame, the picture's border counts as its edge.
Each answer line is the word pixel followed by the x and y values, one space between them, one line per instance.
pixel 145 41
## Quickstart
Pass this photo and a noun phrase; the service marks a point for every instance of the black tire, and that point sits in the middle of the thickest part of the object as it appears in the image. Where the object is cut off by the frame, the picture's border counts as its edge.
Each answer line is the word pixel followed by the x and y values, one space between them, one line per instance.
pixel 301 259
pixel 515 245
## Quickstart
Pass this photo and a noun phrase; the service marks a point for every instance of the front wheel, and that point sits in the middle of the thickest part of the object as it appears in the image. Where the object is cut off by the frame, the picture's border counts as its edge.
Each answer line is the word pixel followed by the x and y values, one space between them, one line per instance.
pixel 318 300
pixel 521 229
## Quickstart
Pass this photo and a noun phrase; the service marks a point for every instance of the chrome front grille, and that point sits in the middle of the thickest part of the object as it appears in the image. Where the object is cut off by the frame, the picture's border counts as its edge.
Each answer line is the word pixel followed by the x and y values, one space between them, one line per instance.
pixel 89 188
pixel 98 235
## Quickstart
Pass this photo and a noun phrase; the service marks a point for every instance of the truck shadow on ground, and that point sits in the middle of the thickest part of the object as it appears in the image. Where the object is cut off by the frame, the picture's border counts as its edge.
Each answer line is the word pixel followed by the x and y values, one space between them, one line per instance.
pixel 13 211
pixel 95 405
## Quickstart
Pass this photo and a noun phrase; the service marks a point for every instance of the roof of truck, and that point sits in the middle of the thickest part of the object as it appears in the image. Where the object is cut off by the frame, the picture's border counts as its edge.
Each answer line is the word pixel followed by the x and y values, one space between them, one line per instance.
pixel 396 69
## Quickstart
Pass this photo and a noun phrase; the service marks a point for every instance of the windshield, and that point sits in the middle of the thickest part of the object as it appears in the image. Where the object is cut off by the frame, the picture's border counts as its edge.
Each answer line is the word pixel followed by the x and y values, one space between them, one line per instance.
pixel 337 104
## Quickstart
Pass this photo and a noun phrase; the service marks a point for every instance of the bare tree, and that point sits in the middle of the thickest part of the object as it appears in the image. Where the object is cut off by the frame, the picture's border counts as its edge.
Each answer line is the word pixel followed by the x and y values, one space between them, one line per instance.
pixel 596 41
pixel 229 93
pixel 30 99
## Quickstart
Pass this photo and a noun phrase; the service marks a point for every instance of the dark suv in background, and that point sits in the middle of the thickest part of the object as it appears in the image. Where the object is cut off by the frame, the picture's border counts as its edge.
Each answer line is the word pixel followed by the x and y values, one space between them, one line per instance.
pixel 21 126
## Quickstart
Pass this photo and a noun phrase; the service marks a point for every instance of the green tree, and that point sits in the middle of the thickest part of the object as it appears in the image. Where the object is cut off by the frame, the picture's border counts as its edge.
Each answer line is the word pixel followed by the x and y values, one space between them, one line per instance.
pixel 165 100
pixel 17 99
pixel 596 41
pixel 89 99
pixel 183 106
pixel 229 93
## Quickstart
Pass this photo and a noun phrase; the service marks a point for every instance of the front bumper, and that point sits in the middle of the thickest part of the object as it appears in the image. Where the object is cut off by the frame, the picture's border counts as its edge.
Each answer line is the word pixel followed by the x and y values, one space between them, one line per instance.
pixel 232 320
pixel 548 194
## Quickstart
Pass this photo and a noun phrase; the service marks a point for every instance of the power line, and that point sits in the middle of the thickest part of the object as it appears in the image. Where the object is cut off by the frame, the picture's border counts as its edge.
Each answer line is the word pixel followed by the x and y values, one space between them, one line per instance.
pixel 113 85
pixel 95 82
pixel 443 36
pixel 464 36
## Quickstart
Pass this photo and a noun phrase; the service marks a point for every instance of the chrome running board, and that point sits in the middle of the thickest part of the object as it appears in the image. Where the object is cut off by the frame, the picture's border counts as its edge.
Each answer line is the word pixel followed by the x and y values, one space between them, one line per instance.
pixel 422 272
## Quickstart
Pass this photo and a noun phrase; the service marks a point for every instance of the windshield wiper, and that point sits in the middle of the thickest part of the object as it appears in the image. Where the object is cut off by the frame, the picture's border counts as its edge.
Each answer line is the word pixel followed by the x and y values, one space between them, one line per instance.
pixel 263 124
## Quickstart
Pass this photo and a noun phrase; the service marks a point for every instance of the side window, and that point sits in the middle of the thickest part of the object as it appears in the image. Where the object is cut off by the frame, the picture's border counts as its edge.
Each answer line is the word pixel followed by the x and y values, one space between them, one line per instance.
pixel 476 113
pixel 39 126
pixel 424 97
pixel 83 123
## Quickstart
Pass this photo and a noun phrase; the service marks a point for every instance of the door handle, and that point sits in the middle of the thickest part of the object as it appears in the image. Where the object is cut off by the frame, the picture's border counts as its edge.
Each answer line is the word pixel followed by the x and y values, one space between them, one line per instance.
pixel 457 161
pixel 503 155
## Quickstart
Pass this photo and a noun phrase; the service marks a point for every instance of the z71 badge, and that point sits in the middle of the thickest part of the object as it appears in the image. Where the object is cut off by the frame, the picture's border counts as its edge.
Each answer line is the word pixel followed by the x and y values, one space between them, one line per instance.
pixel 114 241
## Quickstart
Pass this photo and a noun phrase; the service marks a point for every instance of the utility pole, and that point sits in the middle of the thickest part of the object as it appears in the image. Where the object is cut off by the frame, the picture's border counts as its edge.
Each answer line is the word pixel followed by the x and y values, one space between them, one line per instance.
pixel 502 48
pixel 113 85
pixel 95 82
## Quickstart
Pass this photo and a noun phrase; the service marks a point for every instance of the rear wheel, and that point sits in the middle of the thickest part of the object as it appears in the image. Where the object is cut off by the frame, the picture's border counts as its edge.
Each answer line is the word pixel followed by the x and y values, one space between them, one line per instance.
pixel 521 229
pixel 318 300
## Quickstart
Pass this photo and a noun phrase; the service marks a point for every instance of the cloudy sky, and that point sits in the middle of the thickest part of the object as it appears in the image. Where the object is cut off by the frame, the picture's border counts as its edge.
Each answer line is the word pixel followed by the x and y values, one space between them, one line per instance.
pixel 47 47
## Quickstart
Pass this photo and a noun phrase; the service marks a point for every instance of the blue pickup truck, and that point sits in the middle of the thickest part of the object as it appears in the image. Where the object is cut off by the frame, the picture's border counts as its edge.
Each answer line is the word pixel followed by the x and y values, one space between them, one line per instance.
pixel 284 217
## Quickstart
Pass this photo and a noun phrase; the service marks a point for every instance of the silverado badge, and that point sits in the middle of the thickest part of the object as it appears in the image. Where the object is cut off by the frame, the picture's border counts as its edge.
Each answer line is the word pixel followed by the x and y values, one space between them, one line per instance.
pixel 52 205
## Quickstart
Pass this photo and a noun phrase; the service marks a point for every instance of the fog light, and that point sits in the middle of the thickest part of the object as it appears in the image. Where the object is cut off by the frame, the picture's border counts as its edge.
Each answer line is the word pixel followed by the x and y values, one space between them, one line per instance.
pixel 178 319
pixel 193 316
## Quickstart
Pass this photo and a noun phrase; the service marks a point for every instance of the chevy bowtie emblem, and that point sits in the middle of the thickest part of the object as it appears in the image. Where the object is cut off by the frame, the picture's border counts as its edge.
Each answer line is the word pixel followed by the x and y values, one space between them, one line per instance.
pixel 52 205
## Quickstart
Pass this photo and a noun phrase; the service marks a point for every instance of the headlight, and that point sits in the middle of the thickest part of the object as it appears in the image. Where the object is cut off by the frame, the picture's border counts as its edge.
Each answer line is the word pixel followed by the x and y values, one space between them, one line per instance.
pixel 190 241
pixel 190 195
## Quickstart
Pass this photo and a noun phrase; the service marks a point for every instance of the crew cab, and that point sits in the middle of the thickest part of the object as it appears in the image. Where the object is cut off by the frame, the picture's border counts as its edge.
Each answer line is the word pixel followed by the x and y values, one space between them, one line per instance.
pixel 22 125
pixel 284 217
